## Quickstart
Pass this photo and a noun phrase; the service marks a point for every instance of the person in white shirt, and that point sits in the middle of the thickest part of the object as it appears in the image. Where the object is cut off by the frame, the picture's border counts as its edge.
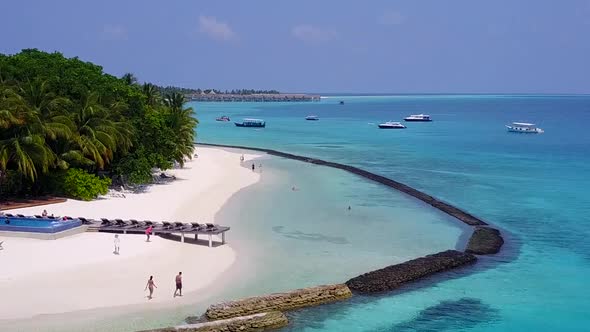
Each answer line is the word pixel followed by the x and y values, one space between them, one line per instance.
pixel 117 242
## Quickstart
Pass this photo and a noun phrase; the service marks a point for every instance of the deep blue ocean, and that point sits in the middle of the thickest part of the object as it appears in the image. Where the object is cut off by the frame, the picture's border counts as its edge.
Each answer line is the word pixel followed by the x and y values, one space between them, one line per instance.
pixel 534 187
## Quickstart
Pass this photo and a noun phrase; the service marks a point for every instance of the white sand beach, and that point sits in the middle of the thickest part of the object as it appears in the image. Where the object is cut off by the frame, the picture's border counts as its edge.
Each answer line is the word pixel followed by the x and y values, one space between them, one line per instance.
pixel 81 272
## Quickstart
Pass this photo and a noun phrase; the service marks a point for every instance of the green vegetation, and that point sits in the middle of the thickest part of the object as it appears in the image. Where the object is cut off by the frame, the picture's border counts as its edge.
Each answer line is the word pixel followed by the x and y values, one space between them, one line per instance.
pixel 66 121
pixel 81 185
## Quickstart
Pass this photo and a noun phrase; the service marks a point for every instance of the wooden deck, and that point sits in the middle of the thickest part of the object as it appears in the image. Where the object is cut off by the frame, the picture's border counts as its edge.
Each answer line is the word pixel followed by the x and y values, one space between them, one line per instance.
pixel 139 227
pixel 19 203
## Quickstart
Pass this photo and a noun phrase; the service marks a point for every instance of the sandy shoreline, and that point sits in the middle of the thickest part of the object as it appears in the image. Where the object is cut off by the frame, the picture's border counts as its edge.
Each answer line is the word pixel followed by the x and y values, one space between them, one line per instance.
pixel 81 272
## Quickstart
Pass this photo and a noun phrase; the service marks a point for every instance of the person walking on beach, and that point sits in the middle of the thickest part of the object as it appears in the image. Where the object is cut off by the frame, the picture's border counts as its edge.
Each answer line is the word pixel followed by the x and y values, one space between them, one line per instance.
pixel 178 284
pixel 148 232
pixel 241 159
pixel 150 285
pixel 117 242
pixel 253 167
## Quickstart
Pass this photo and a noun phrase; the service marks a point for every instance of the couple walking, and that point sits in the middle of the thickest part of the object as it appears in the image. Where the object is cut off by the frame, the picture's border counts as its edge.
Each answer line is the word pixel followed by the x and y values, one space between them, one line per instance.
pixel 151 285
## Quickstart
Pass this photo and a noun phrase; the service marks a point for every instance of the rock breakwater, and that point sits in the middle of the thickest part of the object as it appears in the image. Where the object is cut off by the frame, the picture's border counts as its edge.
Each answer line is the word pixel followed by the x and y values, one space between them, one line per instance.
pixel 279 301
pixel 485 241
pixel 394 276
pixel 256 322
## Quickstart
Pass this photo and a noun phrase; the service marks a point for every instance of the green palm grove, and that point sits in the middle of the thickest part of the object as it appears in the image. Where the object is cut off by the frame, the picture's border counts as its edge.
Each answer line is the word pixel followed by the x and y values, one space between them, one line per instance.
pixel 61 116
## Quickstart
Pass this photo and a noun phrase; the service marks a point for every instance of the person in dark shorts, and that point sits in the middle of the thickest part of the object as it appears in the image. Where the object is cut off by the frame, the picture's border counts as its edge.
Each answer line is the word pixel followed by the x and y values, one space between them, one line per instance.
pixel 178 284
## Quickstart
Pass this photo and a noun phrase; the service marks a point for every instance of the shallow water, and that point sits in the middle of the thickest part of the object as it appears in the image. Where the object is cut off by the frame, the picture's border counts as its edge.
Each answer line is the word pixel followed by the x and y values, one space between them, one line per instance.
pixel 534 187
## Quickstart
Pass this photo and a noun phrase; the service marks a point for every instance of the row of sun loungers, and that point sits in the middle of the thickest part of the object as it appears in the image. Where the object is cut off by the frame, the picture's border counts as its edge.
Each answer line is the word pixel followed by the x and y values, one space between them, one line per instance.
pixel 157 226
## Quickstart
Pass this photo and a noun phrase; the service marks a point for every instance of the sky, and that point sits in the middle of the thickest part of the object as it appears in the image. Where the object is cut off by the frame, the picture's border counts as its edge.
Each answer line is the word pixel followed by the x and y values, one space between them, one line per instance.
pixel 414 46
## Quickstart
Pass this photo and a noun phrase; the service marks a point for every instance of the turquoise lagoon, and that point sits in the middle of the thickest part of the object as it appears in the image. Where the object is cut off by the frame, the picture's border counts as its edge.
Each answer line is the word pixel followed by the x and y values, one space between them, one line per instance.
pixel 533 187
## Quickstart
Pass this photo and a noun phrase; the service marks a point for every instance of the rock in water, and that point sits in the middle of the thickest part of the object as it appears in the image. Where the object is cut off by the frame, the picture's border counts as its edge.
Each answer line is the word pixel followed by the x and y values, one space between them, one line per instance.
pixel 394 276
pixel 299 298
pixel 485 241
pixel 257 322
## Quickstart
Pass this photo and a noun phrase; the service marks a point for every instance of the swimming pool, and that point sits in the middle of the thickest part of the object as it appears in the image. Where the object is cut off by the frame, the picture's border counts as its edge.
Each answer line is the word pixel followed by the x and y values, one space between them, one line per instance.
pixel 37 225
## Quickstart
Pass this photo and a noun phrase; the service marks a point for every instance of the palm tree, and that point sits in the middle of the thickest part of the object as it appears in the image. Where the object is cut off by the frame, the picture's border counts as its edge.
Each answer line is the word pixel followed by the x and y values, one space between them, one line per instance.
pixel 182 123
pixel 129 78
pixel 98 136
pixel 45 113
pixel 29 154
pixel 28 118
pixel 152 94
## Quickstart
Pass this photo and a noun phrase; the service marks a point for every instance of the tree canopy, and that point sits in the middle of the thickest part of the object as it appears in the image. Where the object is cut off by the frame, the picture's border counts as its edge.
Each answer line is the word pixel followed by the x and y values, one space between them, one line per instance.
pixel 58 114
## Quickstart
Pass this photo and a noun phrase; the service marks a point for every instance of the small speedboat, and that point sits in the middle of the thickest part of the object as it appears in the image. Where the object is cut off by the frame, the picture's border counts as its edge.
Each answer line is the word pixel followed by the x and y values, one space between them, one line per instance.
pixel 418 118
pixel 223 118
pixel 342 102
pixel 312 118
pixel 391 125
pixel 523 127
pixel 256 123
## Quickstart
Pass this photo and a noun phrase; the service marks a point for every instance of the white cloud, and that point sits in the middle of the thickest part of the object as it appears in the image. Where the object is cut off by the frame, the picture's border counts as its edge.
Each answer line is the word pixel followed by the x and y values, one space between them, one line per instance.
pixel 215 29
pixel 391 18
pixel 313 34
pixel 114 32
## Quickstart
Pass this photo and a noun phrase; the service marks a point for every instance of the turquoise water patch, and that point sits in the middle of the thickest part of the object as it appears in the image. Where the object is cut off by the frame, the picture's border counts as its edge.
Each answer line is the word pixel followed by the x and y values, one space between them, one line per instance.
pixel 534 187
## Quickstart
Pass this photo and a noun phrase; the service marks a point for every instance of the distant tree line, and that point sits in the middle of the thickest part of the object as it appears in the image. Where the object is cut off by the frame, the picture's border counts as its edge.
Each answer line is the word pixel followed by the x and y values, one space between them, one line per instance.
pixel 68 128
pixel 185 91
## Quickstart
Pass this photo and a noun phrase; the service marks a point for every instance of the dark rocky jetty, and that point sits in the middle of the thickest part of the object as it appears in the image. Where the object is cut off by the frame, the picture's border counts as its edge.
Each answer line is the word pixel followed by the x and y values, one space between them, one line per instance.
pixel 485 241
pixel 394 276
pixel 298 298
pixel 256 322
pixel 442 206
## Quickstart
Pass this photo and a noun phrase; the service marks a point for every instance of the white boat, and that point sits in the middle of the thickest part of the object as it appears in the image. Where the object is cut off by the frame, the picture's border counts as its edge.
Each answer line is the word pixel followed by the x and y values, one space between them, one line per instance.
pixel 251 123
pixel 418 118
pixel 312 118
pixel 391 125
pixel 523 127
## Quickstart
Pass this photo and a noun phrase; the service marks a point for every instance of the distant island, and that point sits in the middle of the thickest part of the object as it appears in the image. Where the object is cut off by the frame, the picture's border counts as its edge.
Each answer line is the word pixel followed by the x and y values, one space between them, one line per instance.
pixel 239 95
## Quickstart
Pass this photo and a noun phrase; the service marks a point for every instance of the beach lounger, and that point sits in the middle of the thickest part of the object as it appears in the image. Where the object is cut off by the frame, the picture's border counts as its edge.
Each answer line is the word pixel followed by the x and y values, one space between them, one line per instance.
pixel 211 227
pixel 20 215
pixel 105 222
pixel 38 216
pixel 132 223
pixel 148 223
pixel 84 220
pixel 51 217
pixel 1 245
pixel 196 225
pixel 179 225
pixel 120 222
pixel 9 215
pixel 166 225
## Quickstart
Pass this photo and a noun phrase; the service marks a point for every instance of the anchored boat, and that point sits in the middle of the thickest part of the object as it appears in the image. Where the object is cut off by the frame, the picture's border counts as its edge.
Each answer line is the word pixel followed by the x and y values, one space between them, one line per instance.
pixel 312 118
pixel 223 118
pixel 391 125
pixel 256 123
pixel 418 118
pixel 523 127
